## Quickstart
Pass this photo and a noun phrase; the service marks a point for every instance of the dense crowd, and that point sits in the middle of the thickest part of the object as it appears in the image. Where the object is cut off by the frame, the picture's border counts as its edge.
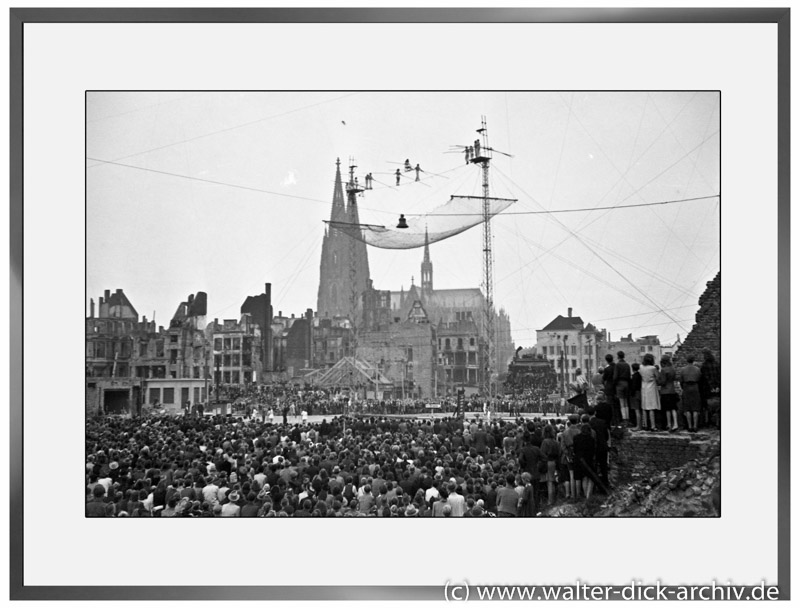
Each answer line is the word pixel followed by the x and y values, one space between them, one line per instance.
pixel 215 466
pixel 253 465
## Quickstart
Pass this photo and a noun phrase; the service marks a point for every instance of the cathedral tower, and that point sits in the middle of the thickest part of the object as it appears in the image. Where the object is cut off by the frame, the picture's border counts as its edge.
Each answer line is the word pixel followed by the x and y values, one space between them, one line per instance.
pixel 427 269
pixel 344 267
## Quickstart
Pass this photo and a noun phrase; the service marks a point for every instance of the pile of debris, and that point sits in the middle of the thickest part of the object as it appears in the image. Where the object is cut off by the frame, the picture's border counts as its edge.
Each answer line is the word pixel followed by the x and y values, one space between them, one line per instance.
pixel 685 491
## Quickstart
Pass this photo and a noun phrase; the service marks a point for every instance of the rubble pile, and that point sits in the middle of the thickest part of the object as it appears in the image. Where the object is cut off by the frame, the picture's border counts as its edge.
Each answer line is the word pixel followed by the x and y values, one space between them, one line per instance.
pixel 679 492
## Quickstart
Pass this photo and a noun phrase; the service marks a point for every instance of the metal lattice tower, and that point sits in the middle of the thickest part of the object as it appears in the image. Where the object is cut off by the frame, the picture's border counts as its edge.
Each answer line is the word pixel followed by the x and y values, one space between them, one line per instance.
pixel 353 190
pixel 482 156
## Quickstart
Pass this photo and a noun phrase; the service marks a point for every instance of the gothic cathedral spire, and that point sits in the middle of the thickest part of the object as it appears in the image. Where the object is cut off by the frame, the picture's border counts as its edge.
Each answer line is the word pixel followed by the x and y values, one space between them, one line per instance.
pixel 427 269
pixel 344 267
pixel 338 213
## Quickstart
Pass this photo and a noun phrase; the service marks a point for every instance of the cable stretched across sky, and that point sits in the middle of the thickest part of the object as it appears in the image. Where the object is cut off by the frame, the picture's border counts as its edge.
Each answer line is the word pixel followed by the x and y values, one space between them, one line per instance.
pixel 316 200
pixel 610 208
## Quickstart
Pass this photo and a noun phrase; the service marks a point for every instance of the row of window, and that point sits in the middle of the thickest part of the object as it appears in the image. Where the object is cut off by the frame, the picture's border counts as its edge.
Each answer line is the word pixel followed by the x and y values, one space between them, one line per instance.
pixel 227 377
pixel 122 349
pixel 461 375
pixel 114 327
pixel 458 358
pixel 459 342
pixel 232 344
pixel 570 363
pixel 571 350
pixel 166 395
pixel 233 360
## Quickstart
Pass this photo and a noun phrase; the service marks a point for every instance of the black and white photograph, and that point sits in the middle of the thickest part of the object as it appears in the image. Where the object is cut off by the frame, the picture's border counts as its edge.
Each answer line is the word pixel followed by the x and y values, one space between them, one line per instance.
pixel 403 304
pixel 376 264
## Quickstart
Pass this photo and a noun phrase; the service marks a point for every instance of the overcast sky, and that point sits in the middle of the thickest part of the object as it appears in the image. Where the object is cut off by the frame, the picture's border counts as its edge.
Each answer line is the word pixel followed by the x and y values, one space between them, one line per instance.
pixel 222 192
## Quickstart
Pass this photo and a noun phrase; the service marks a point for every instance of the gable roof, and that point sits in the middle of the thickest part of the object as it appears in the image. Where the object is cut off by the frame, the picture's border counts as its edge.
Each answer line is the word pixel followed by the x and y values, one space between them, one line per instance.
pixel 564 323
pixel 417 312
pixel 120 300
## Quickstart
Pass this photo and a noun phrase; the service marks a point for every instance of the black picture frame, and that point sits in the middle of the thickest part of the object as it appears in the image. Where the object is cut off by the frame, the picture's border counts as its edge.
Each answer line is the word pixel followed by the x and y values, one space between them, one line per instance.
pixel 19 17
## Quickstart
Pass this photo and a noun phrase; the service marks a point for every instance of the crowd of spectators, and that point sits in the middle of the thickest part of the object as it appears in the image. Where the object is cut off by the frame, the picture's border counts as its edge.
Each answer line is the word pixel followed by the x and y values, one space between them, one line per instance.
pixel 234 466
pixel 252 461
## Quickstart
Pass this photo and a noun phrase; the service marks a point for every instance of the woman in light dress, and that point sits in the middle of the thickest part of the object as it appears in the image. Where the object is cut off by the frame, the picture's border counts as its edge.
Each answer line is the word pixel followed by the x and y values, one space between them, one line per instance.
pixel 651 399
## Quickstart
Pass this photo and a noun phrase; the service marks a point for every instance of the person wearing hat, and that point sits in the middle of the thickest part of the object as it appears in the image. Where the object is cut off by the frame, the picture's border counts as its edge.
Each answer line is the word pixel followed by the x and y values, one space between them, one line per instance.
pixel 230 508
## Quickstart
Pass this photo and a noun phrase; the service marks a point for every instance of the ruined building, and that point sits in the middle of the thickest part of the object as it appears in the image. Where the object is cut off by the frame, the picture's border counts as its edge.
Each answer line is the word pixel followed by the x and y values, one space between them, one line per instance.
pixel 707 329
pixel 131 363
pixel 237 351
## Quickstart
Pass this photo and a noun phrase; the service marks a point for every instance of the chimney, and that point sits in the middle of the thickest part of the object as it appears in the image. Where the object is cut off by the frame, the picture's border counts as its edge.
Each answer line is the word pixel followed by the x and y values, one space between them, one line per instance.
pixel 310 344
pixel 190 299
pixel 91 308
pixel 100 304
pixel 266 359
pixel 107 294
pixel 569 312
pixel 280 313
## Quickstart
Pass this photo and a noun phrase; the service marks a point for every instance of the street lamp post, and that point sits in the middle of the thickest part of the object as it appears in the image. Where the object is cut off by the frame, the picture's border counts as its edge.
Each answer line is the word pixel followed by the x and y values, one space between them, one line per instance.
pixel 205 383
pixel 405 363
pixel 564 367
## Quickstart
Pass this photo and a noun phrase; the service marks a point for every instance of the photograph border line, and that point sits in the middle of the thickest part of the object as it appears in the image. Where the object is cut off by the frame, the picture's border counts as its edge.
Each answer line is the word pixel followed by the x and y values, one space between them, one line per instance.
pixel 20 16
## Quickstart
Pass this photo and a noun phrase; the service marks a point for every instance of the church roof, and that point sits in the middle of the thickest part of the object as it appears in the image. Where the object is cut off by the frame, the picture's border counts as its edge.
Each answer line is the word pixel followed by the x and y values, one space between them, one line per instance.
pixel 471 296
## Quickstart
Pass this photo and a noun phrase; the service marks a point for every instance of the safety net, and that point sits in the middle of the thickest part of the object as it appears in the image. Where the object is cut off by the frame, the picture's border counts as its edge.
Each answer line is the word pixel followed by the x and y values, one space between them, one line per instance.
pixel 458 214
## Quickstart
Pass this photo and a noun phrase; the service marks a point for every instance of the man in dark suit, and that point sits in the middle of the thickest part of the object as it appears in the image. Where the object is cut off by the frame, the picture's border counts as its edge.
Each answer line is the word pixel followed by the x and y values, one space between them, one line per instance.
pixel 609 388
pixel 600 428
pixel 622 380
pixel 529 460
pixel 479 440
